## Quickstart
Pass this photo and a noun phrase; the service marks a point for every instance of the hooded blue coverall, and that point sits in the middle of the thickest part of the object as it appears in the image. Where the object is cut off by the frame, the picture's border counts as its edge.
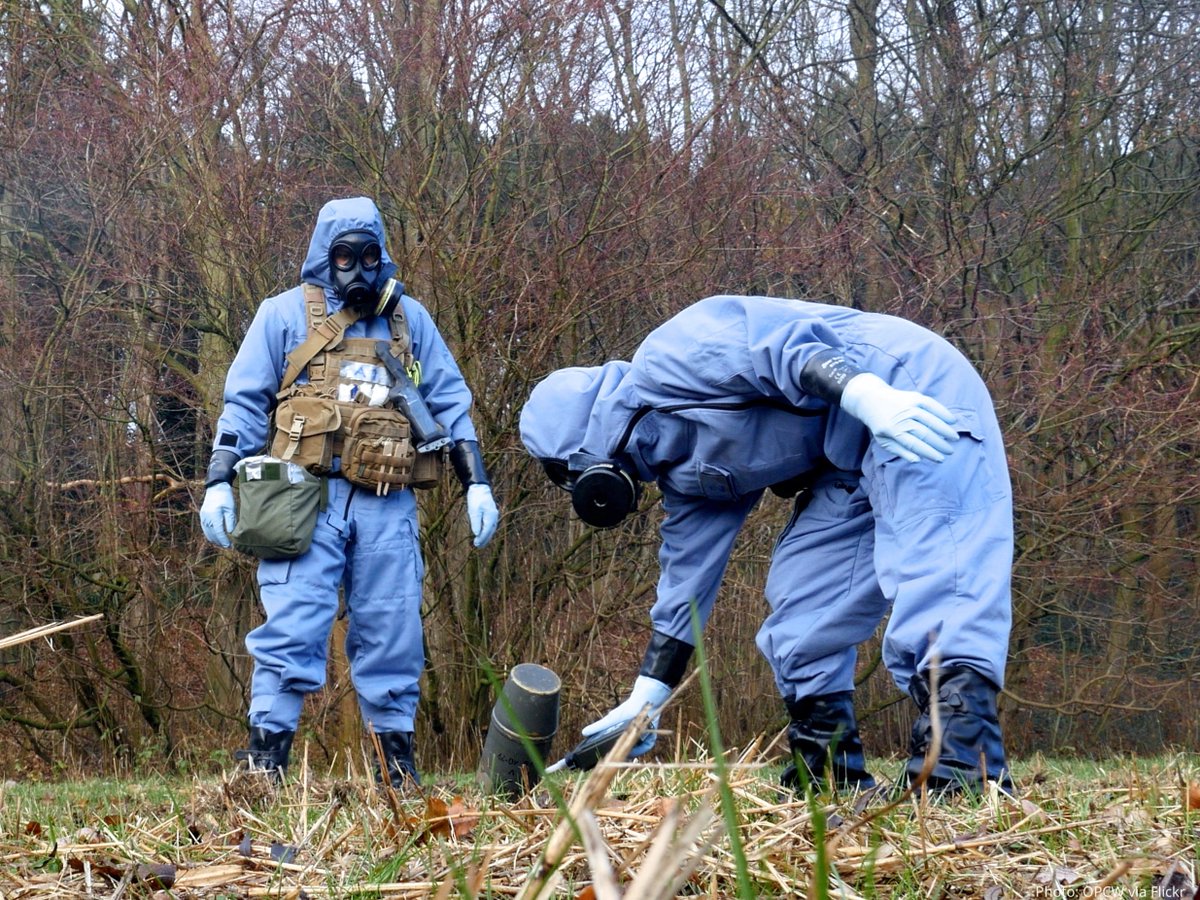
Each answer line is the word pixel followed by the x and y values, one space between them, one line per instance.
pixel 728 419
pixel 367 543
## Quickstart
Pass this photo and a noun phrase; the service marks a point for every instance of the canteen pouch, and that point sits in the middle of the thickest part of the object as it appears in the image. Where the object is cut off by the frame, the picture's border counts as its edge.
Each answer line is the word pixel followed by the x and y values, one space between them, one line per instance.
pixel 427 469
pixel 278 504
pixel 306 430
pixel 377 452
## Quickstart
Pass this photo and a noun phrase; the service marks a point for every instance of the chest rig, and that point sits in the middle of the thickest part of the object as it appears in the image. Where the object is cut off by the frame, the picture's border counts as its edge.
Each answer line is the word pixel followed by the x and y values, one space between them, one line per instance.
pixel 331 417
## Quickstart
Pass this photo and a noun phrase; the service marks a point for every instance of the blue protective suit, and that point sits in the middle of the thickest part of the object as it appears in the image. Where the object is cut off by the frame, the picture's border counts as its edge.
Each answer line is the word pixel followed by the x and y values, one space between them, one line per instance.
pixel 727 419
pixel 366 543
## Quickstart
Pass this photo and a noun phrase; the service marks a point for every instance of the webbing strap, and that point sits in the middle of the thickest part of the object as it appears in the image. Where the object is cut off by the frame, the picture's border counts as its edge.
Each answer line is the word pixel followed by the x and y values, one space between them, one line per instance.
pixel 400 335
pixel 294 434
pixel 326 333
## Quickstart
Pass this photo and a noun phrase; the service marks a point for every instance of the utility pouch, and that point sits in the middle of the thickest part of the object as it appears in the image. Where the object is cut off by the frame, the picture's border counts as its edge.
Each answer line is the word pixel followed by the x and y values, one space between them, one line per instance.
pixel 428 468
pixel 306 430
pixel 377 452
pixel 278 504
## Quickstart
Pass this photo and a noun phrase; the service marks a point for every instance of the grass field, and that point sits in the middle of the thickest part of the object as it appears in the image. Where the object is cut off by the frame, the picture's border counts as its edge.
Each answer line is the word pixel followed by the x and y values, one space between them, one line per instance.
pixel 710 828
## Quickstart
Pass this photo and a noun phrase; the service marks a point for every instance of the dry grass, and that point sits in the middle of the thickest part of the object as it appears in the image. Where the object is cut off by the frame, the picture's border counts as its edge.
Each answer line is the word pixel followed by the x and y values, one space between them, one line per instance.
pixel 1124 829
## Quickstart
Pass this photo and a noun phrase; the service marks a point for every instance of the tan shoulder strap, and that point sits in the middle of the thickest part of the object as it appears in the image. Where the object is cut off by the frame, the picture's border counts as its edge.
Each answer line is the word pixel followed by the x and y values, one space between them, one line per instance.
pixel 401 337
pixel 323 331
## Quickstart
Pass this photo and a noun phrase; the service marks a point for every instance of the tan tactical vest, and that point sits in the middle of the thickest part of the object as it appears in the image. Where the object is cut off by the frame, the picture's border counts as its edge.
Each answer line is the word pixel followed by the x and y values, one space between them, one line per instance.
pixel 331 417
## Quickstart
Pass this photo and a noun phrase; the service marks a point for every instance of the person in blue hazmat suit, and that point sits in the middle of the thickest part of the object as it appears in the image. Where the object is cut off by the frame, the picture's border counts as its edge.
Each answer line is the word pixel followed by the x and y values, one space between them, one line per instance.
pixel 365 541
pixel 886 436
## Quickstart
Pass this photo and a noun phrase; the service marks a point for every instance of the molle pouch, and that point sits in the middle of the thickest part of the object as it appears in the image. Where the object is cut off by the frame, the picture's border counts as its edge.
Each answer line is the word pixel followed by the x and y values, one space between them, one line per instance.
pixel 278 504
pixel 428 468
pixel 378 452
pixel 306 431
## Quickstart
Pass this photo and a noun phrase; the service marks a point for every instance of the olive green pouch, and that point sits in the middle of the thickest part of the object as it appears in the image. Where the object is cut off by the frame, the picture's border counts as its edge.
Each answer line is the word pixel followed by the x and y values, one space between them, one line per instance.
pixel 278 504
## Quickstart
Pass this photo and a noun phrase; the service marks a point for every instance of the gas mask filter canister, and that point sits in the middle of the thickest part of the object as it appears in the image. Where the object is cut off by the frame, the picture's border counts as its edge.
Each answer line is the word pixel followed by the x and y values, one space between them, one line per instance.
pixel 603 493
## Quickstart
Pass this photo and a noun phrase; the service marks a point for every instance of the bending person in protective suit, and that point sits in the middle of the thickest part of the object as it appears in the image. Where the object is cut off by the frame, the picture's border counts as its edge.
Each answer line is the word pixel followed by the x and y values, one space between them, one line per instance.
pixel 365 540
pixel 887 437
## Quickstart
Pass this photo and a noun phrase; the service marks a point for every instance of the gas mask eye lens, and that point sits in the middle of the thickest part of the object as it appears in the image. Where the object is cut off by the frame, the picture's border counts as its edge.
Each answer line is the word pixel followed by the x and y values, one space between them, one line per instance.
pixel 342 257
pixel 345 255
pixel 558 473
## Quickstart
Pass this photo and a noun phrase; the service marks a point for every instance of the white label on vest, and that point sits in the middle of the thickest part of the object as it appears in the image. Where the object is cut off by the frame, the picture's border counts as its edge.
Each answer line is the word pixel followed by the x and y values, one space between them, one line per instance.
pixel 359 378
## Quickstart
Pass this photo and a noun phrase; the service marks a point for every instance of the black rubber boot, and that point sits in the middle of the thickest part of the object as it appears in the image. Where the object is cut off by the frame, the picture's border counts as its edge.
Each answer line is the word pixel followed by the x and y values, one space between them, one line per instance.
pixel 823 736
pixel 397 749
pixel 268 752
pixel 972 751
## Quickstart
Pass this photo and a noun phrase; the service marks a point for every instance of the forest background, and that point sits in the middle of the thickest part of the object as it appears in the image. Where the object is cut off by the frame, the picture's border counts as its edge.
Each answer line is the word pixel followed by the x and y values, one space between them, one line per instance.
pixel 557 179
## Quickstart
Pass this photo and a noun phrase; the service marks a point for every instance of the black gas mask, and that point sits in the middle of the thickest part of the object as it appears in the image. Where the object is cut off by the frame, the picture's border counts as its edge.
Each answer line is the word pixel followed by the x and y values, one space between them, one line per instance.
pixel 603 492
pixel 355 259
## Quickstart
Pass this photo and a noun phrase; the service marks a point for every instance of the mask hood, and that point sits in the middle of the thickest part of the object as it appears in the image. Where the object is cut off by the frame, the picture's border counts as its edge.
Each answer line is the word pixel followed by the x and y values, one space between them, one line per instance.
pixel 335 219
pixel 578 410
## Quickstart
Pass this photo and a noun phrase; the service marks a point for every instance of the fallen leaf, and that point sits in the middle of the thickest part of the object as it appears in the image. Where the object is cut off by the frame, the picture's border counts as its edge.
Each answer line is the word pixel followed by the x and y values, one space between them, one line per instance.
pixel 462 820
pixel 446 820
pixel 159 876
pixel 35 828
pixel 661 807
pixel 392 829
pixel 1056 875
pixel 1032 810
pixel 588 893
pixel 864 800
pixel 437 818
pixel 1192 801
pixel 98 867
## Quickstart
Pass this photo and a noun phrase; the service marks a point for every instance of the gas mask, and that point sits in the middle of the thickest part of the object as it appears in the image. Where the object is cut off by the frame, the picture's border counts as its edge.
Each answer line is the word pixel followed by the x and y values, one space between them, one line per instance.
pixel 354 260
pixel 603 492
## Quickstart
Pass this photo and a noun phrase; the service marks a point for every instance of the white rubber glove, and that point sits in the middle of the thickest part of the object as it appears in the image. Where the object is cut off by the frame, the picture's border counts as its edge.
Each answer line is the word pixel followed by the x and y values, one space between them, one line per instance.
pixel 482 513
pixel 907 423
pixel 218 516
pixel 646 691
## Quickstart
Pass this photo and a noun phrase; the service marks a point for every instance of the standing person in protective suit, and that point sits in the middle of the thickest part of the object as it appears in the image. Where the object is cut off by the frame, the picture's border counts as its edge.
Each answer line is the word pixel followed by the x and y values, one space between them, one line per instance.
pixel 298 369
pixel 887 437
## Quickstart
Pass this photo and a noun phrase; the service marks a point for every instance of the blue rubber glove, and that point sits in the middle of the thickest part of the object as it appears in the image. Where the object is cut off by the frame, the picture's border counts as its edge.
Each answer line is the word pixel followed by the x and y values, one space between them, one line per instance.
pixel 218 516
pixel 482 513
pixel 646 692
pixel 907 423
